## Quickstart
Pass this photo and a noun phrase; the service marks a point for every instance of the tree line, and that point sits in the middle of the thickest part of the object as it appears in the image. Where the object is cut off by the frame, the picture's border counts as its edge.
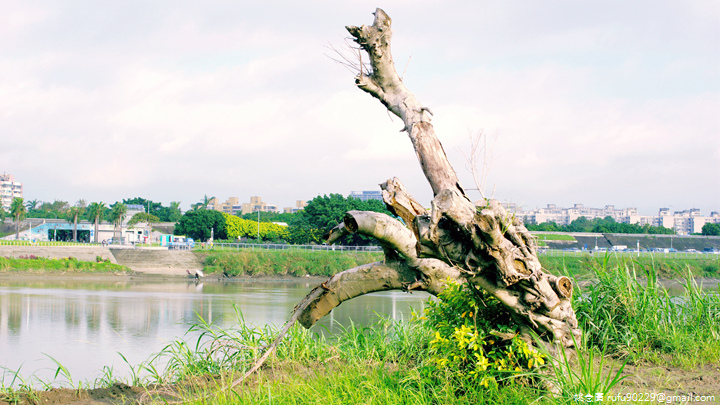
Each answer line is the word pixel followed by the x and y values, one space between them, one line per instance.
pixel 303 227
pixel 599 225
pixel 95 212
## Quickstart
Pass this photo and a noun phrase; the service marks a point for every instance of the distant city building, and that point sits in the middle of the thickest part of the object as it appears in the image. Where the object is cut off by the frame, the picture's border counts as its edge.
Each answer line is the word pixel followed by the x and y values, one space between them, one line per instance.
pixel 133 209
pixel 299 205
pixel 564 216
pixel 683 222
pixel 367 195
pixel 257 204
pixel 9 190
pixel 692 221
pixel 232 206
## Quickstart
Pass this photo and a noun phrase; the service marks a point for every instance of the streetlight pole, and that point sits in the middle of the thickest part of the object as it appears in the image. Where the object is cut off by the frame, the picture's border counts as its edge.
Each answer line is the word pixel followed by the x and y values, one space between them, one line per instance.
pixel 258 226
pixel 673 227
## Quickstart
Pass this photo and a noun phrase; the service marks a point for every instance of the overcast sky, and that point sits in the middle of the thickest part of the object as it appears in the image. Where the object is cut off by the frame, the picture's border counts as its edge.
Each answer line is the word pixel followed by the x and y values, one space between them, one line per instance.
pixel 594 102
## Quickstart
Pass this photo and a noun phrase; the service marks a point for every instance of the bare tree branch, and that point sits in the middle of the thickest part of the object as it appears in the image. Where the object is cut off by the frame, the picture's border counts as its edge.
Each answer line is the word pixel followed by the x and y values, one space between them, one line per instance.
pixel 480 161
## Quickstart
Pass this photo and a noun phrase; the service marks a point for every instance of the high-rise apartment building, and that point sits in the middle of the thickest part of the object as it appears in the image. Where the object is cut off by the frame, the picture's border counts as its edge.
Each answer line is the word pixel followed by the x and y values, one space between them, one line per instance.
pixel 367 195
pixel 257 204
pixel 299 205
pixel 232 206
pixel 9 190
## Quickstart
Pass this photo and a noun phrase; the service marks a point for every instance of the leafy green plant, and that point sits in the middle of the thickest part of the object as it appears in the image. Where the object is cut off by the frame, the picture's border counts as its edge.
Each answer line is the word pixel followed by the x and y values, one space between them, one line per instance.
pixel 237 228
pixel 7 392
pixel 107 379
pixel 474 337
pixel 61 369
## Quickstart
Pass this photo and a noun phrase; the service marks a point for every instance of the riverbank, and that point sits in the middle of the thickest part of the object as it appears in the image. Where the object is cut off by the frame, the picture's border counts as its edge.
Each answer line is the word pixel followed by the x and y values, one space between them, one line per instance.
pixel 294 262
pixel 667 345
pixel 160 262
pixel 344 381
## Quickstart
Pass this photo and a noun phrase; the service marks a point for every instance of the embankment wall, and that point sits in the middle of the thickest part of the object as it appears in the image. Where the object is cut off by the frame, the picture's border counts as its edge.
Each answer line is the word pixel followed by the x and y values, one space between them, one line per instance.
pixel 158 260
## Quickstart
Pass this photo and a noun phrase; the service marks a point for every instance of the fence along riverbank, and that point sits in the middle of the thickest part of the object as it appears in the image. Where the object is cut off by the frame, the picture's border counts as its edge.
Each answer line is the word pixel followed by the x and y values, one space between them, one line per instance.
pixel 279 246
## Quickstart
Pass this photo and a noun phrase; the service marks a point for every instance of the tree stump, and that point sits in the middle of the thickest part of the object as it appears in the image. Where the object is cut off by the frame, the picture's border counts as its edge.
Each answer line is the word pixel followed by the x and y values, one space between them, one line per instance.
pixel 455 240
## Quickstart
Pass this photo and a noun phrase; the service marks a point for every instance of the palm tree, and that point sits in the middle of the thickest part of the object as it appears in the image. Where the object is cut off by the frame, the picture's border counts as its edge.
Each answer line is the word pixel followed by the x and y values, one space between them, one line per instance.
pixel 206 200
pixel 72 216
pixel 117 215
pixel 203 204
pixel 94 212
pixel 17 210
pixel 32 204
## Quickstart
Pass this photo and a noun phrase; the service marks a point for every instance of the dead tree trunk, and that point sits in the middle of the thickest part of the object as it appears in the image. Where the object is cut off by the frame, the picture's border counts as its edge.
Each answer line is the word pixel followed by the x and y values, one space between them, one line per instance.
pixel 483 245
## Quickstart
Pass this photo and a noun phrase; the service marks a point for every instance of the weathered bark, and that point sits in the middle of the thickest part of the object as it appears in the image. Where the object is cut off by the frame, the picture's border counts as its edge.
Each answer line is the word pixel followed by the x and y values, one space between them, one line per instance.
pixel 483 245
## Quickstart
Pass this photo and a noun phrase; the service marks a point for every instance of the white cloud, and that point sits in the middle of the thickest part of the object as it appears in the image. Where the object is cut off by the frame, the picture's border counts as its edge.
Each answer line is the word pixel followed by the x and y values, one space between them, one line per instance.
pixel 103 102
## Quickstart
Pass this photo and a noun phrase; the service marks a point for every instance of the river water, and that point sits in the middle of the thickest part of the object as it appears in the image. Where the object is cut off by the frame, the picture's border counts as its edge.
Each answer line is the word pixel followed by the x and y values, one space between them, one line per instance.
pixel 83 325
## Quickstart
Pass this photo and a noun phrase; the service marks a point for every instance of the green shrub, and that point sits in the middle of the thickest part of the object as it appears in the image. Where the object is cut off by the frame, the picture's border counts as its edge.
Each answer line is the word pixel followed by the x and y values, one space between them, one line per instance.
pixel 475 337
pixel 242 228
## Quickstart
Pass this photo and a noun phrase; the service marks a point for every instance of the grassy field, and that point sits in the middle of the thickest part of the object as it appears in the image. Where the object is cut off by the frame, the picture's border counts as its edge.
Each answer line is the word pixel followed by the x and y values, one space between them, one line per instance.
pixel 586 266
pixel 542 238
pixel 39 264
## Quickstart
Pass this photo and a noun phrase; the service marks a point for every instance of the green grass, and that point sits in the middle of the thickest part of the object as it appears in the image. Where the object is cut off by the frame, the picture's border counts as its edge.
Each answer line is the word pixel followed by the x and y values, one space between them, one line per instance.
pixel 554 236
pixel 378 364
pixel 542 238
pixel 39 264
pixel 283 262
pixel 629 313
pixel 586 266
pixel 339 383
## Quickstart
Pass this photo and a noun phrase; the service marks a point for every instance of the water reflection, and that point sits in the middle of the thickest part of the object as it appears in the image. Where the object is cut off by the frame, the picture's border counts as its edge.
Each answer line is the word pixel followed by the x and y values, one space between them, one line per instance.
pixel 83 325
